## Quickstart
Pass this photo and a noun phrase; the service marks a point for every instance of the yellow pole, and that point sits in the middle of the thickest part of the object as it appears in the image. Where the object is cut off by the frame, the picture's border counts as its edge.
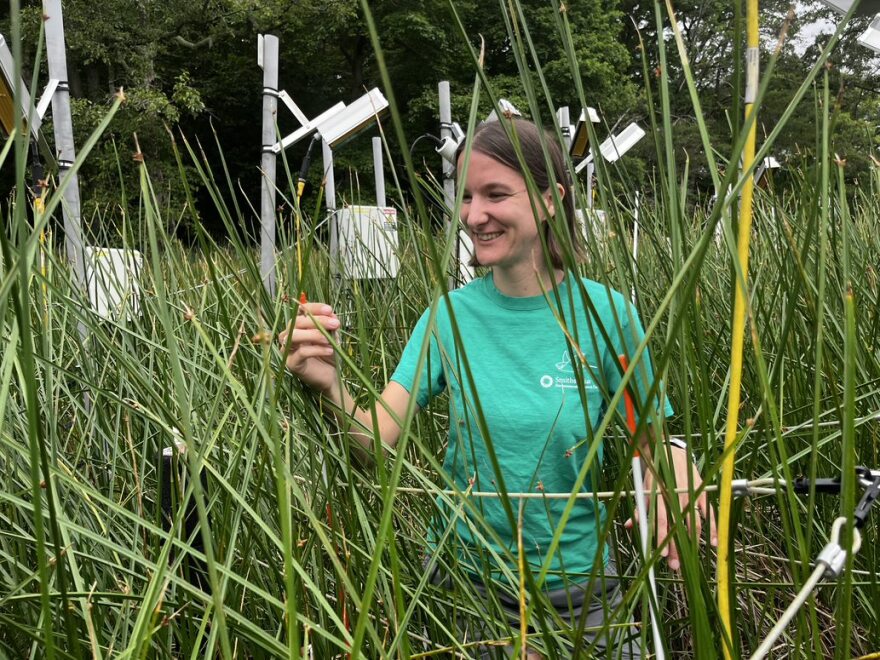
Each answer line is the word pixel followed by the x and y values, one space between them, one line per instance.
pixel 739 323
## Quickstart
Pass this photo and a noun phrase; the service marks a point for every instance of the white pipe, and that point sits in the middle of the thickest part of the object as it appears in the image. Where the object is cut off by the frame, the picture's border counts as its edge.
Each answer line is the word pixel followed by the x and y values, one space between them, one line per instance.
pixel 642 512
pixel 330 200
pixel 564 119
pixel 590 169
pixel 267 163
pixel 464 273
pixel 790 613
pixel 563 116
pixel 635 247
pixel 379 171
pixel 445 97
pixel 62 120
pixel 830 560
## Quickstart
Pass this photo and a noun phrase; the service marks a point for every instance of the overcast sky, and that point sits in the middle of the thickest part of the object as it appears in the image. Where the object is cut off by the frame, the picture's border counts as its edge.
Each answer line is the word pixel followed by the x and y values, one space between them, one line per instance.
pixel 808 32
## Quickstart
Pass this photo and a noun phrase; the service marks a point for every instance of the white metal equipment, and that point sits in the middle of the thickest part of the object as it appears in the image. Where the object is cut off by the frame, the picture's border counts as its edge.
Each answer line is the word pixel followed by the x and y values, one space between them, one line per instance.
pixel 611 150
pixel 871 37
pixel 368 242
pixel 865 8
pixel 112 281
pixel 336 124
pixel 7 70
pixel 579 133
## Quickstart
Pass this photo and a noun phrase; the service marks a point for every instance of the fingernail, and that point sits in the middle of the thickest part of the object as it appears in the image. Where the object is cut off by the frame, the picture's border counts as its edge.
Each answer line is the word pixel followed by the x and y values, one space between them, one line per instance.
pixel 333 323
pixel 674 565
pixel 326 309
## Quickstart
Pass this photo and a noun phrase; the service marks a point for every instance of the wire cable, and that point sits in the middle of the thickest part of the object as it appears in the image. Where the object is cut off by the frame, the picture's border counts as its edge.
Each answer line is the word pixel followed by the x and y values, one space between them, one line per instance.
pixel 425 136
pixel 830 562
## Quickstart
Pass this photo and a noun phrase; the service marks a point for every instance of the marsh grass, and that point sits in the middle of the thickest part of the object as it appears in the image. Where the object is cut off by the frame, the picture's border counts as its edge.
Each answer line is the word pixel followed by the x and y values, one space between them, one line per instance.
pixel 304 546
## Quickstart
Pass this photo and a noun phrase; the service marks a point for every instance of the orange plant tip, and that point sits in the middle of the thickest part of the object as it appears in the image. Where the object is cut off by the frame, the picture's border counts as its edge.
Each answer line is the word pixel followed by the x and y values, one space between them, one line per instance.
pixel 302 298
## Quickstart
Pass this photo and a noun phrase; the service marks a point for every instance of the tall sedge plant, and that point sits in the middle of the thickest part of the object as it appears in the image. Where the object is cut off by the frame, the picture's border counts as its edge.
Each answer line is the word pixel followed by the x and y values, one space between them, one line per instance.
pixel 90 566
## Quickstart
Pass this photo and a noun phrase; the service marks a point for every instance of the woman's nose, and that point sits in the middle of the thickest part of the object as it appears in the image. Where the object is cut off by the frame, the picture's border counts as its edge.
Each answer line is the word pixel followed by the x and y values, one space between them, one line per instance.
pixel 473 212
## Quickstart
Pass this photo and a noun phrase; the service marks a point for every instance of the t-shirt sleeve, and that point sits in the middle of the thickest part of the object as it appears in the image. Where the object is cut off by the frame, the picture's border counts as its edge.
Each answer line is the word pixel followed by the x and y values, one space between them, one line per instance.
pixel 626 334
pixel 420 371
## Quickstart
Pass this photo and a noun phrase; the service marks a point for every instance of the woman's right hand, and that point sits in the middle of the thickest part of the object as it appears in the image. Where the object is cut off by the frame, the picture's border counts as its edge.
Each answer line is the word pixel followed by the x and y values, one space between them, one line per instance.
pixel 310 356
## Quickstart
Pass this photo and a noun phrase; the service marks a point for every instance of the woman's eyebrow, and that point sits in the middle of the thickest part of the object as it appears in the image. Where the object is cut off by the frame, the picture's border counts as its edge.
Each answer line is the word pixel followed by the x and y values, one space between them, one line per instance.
pixel 497 185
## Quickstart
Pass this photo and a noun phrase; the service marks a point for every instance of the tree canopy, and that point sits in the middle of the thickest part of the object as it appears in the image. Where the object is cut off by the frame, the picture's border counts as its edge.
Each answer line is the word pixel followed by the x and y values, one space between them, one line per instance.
pixel 191 67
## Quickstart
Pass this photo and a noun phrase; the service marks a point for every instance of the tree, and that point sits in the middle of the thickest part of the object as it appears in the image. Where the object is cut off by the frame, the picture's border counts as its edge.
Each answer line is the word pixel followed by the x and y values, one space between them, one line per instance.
pixel 192 66
pixel 709 31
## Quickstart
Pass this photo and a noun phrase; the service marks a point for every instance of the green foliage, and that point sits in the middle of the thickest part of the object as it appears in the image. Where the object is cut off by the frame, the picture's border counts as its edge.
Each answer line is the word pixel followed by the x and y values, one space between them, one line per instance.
pixel 709 31
pixel 293 524
pixel 183 62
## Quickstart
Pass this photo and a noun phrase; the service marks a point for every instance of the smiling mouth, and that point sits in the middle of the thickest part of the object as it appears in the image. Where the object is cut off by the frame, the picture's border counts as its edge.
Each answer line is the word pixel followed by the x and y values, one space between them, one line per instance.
pixel 487 237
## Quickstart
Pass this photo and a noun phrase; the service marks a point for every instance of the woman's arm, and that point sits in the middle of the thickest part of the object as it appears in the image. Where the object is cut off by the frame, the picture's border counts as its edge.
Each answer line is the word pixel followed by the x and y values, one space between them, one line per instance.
pixel 390 408
pixel 686 475
pixel 311 357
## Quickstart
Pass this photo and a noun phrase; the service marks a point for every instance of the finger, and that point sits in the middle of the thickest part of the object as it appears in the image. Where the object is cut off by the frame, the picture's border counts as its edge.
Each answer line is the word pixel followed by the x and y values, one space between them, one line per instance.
pixel 695 519
pixel 670 551
pixel 297 362
pixel 304 337
pixel 713 529
pixel 329 323
pixel 303 353
pixel 633 521
pixel 708 516
pixel 315 309
pixel 672 559
pixel 662 533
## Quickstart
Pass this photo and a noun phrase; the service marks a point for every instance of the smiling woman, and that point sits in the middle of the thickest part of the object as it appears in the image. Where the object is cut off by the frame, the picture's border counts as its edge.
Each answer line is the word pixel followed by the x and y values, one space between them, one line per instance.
pixel 501 222
pixel 504 215
pixel 541 347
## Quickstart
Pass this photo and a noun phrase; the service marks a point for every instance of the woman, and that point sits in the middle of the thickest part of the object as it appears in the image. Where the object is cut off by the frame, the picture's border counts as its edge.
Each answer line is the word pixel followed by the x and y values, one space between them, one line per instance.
pixel 529 356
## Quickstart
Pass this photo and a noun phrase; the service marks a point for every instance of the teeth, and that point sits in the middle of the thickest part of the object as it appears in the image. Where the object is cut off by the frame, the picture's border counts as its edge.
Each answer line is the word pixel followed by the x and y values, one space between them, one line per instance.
pixel 488 237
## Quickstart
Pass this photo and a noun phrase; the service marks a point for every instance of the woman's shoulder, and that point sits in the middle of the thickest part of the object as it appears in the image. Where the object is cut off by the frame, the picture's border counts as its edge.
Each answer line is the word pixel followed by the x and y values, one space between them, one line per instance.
pixel 459 299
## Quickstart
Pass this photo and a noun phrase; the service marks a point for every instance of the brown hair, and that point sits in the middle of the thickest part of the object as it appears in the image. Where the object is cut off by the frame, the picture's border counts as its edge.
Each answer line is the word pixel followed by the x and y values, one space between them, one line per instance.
pixel 491 139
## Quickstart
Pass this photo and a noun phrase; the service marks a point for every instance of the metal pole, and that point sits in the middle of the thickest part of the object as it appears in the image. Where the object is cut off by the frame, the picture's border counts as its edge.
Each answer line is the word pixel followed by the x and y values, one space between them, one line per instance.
pixel 564 118
pixel 635 247
pixel 64 147
pixel 379 170
pixel 590 169
pixel 267 163
pixel 330 197
pixel 446 131
pixel 462 243
pixel 636 229
pixel 56 58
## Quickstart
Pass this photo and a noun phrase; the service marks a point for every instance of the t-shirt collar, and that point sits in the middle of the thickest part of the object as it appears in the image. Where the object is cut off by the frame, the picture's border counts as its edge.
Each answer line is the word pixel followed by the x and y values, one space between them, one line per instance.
pixel 526 303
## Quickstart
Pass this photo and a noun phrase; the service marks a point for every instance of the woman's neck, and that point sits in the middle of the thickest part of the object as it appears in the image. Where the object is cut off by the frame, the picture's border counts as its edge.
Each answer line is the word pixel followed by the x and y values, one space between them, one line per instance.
pixel 522 283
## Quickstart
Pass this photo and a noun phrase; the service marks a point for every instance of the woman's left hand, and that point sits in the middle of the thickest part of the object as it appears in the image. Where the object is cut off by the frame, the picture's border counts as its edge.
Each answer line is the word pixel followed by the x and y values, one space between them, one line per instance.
pixel 683 469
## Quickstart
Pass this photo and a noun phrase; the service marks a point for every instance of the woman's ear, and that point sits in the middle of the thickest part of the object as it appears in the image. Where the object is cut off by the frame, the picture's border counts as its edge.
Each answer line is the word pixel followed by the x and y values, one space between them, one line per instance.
pixel 548 197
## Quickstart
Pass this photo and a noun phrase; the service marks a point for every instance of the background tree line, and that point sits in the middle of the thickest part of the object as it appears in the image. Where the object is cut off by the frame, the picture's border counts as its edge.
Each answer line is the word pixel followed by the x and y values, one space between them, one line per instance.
pixel 189 68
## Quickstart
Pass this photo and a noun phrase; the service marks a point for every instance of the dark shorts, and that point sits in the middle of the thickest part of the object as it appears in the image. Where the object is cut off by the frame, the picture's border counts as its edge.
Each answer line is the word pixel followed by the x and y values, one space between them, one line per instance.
pixel 577 610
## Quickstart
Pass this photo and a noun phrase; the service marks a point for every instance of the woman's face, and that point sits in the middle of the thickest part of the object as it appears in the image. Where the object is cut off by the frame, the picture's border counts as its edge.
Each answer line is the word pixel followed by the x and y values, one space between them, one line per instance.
pixel 498 215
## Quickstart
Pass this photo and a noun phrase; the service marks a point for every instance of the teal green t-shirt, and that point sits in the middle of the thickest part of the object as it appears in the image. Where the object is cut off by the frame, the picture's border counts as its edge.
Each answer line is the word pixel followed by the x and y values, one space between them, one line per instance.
pixel 539 371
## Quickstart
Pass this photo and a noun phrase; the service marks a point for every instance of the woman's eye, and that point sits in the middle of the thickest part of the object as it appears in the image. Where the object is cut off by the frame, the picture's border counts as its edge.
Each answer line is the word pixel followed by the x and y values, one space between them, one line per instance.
pixel 497 196
pixel 465 199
